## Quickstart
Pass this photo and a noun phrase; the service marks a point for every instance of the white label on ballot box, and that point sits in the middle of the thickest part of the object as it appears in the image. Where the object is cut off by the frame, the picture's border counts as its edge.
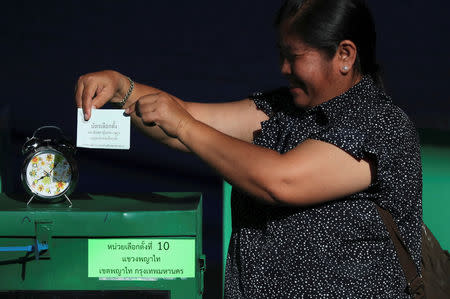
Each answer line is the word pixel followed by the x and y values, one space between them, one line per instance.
pixel 141 259
pixel 106 129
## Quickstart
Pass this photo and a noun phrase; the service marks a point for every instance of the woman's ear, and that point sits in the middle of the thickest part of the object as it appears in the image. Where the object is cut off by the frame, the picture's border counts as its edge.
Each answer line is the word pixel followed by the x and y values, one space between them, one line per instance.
pixel 345 57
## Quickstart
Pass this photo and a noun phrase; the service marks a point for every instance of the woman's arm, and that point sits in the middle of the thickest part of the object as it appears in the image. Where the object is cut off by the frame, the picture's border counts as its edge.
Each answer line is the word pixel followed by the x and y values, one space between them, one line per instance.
pixel 312 173
pixel 239 119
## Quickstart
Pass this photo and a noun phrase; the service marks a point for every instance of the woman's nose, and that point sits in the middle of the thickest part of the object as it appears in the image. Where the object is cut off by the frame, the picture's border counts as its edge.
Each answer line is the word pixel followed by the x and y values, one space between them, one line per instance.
pixel 285 67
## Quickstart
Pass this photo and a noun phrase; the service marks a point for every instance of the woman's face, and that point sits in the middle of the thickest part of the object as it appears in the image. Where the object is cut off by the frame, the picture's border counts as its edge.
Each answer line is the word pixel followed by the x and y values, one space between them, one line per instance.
pixel 311 74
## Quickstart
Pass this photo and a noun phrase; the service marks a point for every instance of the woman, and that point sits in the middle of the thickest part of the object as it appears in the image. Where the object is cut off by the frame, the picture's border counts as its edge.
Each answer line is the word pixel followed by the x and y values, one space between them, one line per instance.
pixel 308 163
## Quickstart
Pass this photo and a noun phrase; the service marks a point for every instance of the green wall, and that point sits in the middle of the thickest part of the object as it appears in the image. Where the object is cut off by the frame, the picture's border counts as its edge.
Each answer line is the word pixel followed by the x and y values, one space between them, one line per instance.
pixel 436 183
pixel 435 150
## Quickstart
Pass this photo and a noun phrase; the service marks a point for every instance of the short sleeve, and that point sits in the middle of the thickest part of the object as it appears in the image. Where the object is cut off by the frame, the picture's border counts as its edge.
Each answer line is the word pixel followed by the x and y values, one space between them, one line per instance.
pixel 273 101
pixel 351 140
pixel 262 102
pixel 389 149
pixel 360 145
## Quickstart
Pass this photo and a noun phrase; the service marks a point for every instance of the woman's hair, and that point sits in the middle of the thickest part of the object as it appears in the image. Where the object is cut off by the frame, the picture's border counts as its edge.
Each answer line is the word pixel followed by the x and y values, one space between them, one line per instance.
pixel 323 24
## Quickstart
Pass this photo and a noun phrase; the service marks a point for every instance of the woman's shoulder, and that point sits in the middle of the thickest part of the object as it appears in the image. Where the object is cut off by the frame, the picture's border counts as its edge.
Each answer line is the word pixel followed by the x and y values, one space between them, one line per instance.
pixel 369 113
pixel 386 115
pixel 367 106
pixel 273 100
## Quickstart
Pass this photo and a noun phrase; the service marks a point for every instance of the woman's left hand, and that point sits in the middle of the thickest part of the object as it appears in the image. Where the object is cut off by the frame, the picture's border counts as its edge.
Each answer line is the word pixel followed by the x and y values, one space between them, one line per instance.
pixel 162 110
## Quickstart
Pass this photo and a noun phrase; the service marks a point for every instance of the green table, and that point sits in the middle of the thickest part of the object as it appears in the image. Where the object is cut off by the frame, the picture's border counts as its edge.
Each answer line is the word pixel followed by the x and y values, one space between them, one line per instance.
pixel 114 244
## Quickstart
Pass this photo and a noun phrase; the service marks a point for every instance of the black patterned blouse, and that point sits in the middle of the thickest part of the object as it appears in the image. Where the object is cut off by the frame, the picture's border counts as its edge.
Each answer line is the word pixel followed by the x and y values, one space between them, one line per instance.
pixel 338 249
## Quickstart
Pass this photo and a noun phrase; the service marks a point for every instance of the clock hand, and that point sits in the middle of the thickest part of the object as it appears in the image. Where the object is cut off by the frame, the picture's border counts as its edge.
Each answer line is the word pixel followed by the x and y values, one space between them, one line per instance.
pixel 54 166
pixel 41 178
pixel 46 175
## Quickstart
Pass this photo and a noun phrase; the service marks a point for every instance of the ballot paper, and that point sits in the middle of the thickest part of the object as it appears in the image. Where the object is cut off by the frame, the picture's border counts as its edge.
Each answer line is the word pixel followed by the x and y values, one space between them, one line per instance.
pixel 106 129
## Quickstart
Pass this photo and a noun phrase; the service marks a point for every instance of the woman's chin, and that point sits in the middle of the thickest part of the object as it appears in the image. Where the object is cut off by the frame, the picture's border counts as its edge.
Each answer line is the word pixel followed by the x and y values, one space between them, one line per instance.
pixel 300 98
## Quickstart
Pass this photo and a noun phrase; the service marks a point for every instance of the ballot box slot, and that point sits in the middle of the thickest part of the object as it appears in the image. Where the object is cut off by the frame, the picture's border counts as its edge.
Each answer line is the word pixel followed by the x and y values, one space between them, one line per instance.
pixel 74 294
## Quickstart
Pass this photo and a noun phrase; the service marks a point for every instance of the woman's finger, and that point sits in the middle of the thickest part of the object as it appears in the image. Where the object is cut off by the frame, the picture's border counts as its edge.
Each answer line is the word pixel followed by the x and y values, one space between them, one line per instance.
pixel 86 98
pixel 102 96
pixel 78 93
pixel 134 108
pixel 137 108
pixel 131 109
pixel 148 117
pixel 142 101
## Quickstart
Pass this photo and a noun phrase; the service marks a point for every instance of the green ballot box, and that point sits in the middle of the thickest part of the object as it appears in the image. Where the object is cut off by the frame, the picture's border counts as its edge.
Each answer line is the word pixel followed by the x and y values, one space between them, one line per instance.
pixel 108 246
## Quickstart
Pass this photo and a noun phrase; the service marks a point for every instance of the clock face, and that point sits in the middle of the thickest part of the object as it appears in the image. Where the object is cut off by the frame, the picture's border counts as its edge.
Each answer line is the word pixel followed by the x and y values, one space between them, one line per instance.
pixel 48 174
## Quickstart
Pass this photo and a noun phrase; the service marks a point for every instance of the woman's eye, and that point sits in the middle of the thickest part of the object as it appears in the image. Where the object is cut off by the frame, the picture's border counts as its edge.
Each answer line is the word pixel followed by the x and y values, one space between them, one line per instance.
pixel 288 56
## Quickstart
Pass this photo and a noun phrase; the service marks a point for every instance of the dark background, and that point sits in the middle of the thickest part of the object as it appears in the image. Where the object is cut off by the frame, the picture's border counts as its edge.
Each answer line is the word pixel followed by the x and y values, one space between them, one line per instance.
pixel 196 50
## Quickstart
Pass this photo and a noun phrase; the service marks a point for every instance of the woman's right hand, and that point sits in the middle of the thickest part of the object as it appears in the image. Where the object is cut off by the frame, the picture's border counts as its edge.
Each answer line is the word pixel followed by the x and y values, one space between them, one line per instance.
pixel 96 89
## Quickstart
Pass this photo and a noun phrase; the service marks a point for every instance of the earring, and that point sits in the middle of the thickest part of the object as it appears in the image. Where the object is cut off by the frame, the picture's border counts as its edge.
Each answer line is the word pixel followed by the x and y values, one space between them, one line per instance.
pixel 345 68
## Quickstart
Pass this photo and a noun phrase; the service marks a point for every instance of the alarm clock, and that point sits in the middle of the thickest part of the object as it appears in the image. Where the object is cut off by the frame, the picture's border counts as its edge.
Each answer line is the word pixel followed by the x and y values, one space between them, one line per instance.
pixel 49 172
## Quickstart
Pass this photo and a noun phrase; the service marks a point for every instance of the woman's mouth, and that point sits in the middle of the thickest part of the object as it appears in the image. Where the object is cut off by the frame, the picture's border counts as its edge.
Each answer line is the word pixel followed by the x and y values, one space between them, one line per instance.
pixel 297 87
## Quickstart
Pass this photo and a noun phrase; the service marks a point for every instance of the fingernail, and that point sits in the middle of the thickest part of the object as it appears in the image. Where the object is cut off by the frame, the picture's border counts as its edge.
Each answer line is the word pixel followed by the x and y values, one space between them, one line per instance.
pixel 127 111
pixel 85 116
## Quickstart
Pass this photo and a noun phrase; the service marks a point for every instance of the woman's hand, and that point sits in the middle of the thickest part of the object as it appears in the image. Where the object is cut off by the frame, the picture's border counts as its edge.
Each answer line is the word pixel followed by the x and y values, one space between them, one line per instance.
pixel 96 89
pixel 163 110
